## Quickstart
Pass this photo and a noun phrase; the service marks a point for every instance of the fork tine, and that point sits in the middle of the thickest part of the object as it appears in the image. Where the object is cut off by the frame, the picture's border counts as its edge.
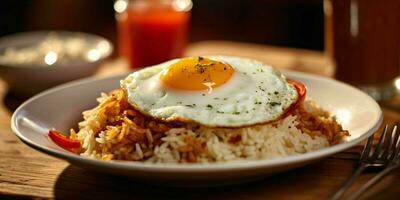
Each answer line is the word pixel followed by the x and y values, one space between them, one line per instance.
pixel 394 143
pixel 397 147
pixel 367 147
pixel 389 150
pixel 378 148
pixel 394 135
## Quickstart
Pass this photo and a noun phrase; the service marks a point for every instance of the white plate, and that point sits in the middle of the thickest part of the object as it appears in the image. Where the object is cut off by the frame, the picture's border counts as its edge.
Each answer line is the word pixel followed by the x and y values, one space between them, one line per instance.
pixel 61 108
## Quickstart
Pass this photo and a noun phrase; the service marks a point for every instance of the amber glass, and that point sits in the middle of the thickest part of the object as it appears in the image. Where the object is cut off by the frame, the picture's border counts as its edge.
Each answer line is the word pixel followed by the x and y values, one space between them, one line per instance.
pixel 363 38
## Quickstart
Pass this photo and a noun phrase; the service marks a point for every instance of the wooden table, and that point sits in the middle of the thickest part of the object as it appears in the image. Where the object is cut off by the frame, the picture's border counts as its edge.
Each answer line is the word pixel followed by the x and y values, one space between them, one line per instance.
pixel 26 173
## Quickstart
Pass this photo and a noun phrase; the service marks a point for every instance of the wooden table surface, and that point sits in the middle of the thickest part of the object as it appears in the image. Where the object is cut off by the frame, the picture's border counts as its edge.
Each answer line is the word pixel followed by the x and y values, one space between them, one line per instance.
pixel 26 173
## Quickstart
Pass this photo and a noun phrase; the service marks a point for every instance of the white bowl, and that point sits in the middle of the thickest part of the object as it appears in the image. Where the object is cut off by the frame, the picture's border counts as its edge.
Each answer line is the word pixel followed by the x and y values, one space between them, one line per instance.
pixel 31 78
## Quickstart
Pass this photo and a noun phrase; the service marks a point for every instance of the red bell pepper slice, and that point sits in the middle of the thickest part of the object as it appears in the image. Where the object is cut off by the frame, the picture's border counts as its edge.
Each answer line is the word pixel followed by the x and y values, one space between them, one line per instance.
pixel 301 90
pixel 63 141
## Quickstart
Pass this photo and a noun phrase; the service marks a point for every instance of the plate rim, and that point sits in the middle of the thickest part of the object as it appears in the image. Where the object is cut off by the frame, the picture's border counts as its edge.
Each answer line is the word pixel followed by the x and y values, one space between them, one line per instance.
pixel 198 167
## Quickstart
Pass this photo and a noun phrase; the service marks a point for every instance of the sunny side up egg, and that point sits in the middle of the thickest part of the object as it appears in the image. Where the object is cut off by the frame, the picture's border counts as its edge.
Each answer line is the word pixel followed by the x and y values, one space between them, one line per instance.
pixel 215 91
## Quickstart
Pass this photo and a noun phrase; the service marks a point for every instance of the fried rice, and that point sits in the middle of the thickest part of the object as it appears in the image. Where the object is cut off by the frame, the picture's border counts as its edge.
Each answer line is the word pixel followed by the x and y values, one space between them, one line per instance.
pixel 114 130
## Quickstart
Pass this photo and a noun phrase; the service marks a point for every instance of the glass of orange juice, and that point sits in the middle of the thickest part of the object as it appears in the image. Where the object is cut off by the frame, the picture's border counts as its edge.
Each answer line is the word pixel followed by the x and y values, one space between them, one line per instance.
pixel 152 31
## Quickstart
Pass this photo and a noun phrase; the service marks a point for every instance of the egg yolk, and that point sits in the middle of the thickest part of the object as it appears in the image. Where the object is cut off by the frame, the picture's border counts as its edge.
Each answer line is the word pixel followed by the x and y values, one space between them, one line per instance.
pixel 197 73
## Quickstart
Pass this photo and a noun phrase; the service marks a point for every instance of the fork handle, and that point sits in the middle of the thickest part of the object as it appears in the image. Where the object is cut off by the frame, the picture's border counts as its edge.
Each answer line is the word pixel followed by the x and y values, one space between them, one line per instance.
pixel 373 181
pixel 348 182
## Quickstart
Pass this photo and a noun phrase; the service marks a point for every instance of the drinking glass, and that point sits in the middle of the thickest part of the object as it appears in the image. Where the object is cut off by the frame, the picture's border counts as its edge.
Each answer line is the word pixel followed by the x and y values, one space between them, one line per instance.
pixel 152 31
pixel 363 38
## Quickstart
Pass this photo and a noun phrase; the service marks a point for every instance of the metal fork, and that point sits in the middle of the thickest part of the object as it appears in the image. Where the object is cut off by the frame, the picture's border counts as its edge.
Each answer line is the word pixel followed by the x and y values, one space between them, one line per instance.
pixel 394 163
pixel 377 157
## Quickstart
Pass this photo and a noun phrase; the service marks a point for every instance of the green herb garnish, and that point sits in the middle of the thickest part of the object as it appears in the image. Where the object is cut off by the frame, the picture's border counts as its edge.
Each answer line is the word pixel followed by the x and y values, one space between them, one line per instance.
pixel 274 103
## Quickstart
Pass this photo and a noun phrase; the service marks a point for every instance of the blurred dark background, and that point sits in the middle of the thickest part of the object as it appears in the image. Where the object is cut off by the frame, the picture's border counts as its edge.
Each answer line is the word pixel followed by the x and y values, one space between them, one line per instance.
pixel 291 23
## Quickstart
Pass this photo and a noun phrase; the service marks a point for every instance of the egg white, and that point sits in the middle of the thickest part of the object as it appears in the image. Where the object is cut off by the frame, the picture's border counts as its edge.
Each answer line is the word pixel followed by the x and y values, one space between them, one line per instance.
pixel 256 93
